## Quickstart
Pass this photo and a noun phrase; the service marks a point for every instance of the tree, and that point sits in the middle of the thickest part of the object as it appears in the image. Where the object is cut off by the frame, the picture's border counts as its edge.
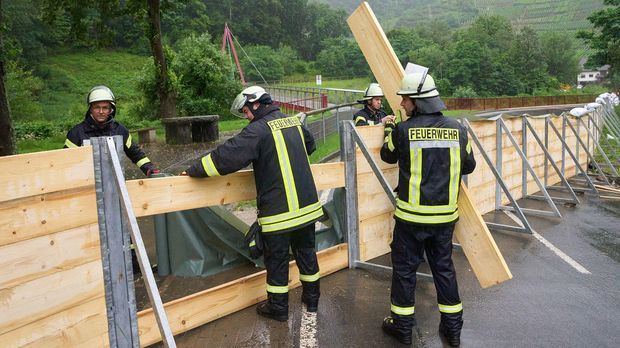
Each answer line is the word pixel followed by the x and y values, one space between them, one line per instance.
pixel 560 56
pixel 7 139
pixel 167 97
pixel 605 39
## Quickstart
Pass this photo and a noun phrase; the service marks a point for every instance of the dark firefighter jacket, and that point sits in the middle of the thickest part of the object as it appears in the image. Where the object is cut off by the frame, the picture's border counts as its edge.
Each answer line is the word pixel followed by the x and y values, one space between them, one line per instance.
pixel 278 147
pixel 88 129
pixel 433 152
pixel 366 117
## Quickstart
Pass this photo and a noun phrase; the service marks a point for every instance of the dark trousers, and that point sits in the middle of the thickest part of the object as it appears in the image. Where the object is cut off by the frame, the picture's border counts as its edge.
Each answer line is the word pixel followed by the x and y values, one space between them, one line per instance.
pixel 276 252
pixel 408 246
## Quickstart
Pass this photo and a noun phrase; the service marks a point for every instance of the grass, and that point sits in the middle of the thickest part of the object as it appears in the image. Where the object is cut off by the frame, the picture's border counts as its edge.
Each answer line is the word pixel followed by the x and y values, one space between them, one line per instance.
pixel 323 149
pixel 360 83
pixel 35 145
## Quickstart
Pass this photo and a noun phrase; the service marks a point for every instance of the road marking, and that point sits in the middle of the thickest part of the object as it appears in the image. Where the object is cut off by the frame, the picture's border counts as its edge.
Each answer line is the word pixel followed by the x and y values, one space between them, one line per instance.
pixel 307 332
pixel 553 248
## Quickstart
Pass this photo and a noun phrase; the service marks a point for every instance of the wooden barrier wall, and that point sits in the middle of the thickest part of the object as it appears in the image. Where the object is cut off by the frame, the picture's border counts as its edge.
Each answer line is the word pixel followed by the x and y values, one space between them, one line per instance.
pixel 51 286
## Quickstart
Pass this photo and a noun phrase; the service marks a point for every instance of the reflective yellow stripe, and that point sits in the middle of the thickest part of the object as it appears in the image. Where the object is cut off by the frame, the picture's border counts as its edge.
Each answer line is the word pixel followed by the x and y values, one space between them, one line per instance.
pixel 468 147
pixel 70 144
pixel 252 243
pixel 128 142
pixel 288 215
pixel 287 172
pixel 309 278
pixel 450 309
pixel 402 310
pixel 301 135
pixel 209 166
pixel 455 172
pixel 426 209
pixel 277 289
pixel 143 161
pixel 415 168
pixel 360 118
pixel 390 144
pixel 293 222
pixel 426 219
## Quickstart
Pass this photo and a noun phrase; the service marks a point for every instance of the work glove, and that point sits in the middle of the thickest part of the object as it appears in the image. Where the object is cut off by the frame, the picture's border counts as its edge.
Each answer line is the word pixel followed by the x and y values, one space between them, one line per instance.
pixel 153 171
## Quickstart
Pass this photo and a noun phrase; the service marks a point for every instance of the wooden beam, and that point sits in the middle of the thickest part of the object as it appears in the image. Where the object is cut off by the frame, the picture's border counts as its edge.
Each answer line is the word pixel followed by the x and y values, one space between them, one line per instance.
pixel 162 195
pixel 40 298
pixel 44 172
pixel 203 307
pixel 56 252
pixel 490 265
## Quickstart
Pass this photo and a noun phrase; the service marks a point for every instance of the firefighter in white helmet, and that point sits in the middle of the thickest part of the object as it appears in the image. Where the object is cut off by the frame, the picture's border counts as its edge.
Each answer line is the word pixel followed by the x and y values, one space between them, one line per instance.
pixel 432 152
pixel 372 113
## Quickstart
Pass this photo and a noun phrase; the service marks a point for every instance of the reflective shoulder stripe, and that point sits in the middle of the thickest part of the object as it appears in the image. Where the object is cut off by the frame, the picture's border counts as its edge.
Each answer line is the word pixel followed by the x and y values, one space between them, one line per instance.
pixel 309 277
pixel 426 219
pixel 293 222
pixel 128 142
pixel 209 166
pixel 70 144
pixel 450 309
pixel 143 161
pixel 402 310
pixel 277 289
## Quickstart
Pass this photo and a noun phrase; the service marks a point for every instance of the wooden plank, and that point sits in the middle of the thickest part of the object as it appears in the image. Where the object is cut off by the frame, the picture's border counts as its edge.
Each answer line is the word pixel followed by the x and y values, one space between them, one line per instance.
pixel 83 325
pixel 490 265
pixel 203 307
pixel 162 195
pixel 44 172
pixel 57 252
pixel 39 215
pixel 42 297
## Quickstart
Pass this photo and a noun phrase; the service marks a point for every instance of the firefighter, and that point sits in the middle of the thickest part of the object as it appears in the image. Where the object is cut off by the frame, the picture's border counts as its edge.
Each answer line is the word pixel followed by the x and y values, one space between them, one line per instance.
pixel 99 122
pixel 432 152
pixel 372 113
pixel 277 146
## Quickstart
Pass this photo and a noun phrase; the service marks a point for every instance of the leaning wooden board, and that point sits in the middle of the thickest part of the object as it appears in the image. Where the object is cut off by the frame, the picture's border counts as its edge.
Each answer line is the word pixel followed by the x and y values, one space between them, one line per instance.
pixel 479 246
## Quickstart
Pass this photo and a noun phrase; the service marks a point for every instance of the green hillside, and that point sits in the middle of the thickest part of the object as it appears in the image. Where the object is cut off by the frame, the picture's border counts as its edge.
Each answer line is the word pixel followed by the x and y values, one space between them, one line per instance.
pixel 541 15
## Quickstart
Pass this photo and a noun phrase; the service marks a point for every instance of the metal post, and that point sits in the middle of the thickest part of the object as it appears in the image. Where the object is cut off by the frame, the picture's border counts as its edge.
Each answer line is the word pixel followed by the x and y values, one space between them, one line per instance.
pixel 546 169
pixel 347 153
pixel 598 136
pixel 564 146
pixel 145 266
pixel 600 149
pixel 498 162
pixel 524 159
pixel 115 250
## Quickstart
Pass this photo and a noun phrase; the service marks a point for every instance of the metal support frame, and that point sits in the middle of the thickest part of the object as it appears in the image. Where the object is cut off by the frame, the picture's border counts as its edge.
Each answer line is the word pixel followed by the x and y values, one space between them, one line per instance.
pixel 572 155
pixel 112 194
pixel 599 131
pixel 599 147
pixel 526 228
pixel 580 142
pixel 349 137
pixel 548 158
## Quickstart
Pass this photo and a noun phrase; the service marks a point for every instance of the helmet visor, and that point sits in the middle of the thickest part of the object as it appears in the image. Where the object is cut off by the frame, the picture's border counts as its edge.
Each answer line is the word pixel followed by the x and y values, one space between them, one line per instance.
pixel 238 104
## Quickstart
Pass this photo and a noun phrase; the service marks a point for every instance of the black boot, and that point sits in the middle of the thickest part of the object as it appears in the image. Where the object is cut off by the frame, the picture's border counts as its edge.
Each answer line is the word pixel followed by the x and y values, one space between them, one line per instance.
pixel 310 295
pixel 453 337
pixel 403 335
pixel 276 307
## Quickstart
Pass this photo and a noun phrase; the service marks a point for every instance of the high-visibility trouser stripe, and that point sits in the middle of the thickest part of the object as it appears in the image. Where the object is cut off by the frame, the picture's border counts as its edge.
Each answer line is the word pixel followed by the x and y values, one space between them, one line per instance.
pixel 70 144
pixel 289 215
pixel 426 209
pixel 293 222
pixel 360 119
pixel 450 309
pixel 287 171
pixel 455 172
pixel 277 289
pixel 143 161
pixel 309 277
pixel 402 310
pixel 389 142
pixel 426 219
pixel 128 142
pixel 209 166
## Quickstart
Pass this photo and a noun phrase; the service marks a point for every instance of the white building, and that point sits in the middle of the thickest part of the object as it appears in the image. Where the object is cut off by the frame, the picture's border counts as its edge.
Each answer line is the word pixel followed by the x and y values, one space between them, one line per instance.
pixel 588 77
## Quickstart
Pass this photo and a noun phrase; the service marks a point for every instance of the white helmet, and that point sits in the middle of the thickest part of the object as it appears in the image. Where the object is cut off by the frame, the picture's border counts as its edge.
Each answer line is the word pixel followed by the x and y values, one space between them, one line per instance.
pixel 373 90
pixel 100 93
pixel 418 85
pixel 249 95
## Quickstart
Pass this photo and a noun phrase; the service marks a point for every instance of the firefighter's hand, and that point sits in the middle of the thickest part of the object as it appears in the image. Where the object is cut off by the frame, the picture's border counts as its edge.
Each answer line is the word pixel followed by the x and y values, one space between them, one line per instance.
pixel 183 173
pixel 388 119
pixel 150 172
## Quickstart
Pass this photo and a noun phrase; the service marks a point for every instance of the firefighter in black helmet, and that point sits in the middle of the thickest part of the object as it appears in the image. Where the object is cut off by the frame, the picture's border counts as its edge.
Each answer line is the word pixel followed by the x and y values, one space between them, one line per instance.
pixel 432 152
pixel 278 147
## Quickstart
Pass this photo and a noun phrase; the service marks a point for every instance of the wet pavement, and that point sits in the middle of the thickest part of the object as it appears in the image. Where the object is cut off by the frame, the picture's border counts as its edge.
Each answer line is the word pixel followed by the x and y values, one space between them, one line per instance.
pixel 548 303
